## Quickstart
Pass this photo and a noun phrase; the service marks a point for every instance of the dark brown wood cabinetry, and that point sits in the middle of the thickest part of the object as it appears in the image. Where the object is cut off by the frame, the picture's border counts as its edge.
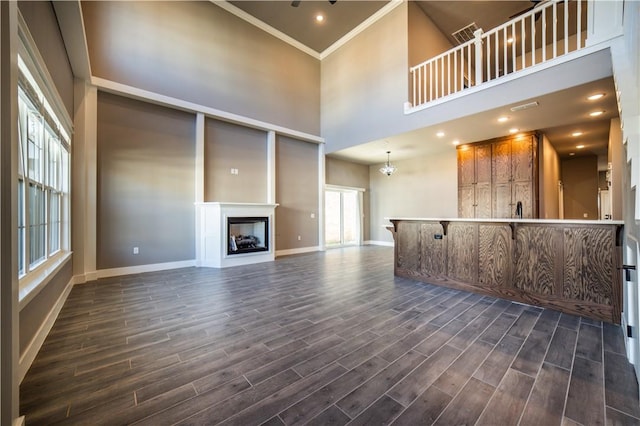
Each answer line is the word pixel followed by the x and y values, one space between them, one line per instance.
pixel 573 267
pixel 494 175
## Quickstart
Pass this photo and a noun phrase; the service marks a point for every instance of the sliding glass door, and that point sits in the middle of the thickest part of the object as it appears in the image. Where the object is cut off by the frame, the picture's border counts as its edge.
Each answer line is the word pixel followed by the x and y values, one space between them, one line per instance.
pixel 342 217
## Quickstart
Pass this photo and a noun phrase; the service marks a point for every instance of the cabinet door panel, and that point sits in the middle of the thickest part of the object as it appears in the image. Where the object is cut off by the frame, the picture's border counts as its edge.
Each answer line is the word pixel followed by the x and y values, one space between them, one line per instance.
pixel 433 259
pixel 522 158
pixel 483 163
pixel 501 162
pixel 466 166
pixel 466 201
pixel 483 200
pixel 502 200
pixel 523 192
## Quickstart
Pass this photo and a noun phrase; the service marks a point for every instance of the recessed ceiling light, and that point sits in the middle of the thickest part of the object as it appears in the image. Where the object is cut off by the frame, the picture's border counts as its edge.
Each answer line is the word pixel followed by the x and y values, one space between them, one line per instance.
pixel 319 18
pixel 576 134
pixel 595 96
pixel 440 134
pixel 503 119
pixel 514 130
pixel 596 113
pixel 579 146
pixel 456 142
pixel 572 153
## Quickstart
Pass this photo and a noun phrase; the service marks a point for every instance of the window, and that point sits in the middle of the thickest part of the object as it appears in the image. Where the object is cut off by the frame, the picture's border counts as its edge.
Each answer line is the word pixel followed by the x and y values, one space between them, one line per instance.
pixel 43 177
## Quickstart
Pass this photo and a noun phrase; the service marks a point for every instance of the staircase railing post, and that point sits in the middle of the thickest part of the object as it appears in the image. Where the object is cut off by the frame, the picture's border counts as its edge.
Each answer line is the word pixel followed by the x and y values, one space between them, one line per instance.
pixel 479 61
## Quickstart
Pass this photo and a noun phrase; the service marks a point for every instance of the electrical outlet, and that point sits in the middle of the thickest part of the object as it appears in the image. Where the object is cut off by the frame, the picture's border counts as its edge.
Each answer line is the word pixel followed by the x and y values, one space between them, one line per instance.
pixel 136 250
pixel 299 238
pixel 234 171
pixel 313 215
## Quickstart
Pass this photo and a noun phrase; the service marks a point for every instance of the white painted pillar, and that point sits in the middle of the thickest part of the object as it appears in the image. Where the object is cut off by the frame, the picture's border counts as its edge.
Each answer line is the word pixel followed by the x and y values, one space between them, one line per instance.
pixel 9 305
pixel 199 185
pixel 321 185
pixel 271 168
pixel 84 181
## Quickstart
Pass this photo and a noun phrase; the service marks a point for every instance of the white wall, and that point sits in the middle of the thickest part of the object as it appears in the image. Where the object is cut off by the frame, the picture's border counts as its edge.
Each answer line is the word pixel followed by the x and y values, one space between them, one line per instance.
pixel 549 172
pixel 422 187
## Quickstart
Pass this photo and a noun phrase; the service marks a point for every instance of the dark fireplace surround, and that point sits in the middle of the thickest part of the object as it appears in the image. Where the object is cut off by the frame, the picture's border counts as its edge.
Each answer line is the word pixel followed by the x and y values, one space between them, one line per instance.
pixel 247 235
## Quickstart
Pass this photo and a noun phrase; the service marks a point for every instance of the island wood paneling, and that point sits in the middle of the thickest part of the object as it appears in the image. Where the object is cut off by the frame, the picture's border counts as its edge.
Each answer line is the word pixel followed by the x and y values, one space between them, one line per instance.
pixel 433 258
pixel 589 260
pixel 573 268
pixel 462 252
pixel 408 256
pixel 494 255
pixel 537 266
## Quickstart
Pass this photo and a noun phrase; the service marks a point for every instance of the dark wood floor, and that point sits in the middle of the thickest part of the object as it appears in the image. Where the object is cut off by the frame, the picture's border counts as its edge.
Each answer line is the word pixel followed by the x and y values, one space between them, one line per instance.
pixel 323 338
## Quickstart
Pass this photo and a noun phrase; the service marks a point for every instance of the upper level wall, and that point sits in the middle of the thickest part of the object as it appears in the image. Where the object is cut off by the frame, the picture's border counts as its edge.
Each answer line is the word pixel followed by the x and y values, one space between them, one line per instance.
pixel 198 52
pixel 43 26
pixel 425 39
pixel 364 84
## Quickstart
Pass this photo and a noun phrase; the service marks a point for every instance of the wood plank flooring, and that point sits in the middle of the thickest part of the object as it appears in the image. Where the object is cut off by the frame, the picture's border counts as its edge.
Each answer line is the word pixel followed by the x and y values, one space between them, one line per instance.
pixel 321 338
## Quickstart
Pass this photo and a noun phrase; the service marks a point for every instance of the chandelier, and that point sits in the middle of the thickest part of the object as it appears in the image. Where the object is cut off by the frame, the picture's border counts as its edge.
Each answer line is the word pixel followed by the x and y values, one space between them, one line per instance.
pixel 388 169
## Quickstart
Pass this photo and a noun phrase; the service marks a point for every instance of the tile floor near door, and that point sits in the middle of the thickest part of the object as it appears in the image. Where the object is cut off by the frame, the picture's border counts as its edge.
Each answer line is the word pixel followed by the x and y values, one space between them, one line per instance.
pixel 322 338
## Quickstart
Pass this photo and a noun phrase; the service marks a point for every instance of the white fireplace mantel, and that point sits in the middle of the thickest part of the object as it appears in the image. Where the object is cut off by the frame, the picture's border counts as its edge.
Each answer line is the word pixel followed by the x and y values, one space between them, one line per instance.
pixel 213 239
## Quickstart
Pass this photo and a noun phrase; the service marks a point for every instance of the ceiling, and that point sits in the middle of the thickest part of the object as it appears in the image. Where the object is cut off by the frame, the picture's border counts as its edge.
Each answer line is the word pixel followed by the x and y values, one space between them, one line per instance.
pixel 558 114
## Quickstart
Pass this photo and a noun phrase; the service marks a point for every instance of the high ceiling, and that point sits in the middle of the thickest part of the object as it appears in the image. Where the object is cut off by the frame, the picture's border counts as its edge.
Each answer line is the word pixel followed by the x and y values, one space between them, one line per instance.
pixel 558 114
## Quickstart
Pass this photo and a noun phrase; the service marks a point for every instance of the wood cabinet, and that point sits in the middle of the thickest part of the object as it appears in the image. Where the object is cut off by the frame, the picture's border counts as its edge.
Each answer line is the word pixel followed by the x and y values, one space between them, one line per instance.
pixel 474 181
pixel 494 175
pixel 569 266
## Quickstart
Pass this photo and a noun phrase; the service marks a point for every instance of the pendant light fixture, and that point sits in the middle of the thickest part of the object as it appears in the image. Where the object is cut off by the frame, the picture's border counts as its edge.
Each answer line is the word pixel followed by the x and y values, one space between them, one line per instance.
pixel 388 169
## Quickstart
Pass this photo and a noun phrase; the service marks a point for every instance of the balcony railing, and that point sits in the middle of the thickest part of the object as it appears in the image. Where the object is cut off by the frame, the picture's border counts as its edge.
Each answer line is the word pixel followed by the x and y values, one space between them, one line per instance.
pixel 551 29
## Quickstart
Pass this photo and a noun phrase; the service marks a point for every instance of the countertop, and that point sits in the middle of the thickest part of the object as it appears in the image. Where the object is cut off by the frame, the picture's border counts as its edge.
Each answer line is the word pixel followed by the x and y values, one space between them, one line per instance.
pixel 507 220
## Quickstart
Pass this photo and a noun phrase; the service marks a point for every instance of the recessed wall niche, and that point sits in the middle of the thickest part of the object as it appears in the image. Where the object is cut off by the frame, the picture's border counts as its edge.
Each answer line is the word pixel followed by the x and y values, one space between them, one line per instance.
pixel 228 148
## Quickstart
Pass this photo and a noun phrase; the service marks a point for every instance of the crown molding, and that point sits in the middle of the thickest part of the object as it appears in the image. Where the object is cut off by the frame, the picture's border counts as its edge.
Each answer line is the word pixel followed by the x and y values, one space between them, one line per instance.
pixel 265 27
pixel 360 28
pixel 224 4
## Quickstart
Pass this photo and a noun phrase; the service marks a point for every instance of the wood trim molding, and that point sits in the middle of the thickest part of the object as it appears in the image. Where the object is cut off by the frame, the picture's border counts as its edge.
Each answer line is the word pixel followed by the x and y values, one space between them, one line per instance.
pixel 159 99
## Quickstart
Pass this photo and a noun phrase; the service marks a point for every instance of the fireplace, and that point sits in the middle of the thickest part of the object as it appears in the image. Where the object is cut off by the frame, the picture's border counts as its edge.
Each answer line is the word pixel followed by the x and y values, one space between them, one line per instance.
pixel 234 234
pixel 247 234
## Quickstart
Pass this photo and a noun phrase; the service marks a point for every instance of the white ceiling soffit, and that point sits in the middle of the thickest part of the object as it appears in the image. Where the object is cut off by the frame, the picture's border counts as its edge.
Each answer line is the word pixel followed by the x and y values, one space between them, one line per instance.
pixel 282 36
pixel 71 23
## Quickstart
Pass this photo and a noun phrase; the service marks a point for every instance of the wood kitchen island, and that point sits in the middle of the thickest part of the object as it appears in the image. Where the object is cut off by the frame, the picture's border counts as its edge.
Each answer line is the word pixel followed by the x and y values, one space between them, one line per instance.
pixel 571 266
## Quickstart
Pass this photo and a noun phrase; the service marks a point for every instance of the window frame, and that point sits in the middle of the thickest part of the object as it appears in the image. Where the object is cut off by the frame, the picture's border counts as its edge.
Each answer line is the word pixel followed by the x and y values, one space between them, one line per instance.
pixel 37 93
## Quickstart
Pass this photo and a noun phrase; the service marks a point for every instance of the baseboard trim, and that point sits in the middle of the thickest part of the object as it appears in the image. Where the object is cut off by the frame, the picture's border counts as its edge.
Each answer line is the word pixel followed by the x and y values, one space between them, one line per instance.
pixel 379 243
pixel 139 269
pixel 26 359
pixel 129 270
pixel 297 251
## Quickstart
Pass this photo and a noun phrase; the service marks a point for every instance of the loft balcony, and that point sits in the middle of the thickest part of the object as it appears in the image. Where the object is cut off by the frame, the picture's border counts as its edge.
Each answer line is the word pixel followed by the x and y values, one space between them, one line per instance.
pixel 550 33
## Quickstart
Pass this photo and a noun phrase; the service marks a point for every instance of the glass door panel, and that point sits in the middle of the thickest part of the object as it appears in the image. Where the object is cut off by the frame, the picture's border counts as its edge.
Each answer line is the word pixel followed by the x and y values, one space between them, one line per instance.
pixel 332 215
pixel 350 224
pixel 342 218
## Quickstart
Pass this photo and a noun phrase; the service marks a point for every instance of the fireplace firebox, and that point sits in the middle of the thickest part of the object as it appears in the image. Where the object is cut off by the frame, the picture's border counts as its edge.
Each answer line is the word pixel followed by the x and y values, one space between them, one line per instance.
pixel 247 234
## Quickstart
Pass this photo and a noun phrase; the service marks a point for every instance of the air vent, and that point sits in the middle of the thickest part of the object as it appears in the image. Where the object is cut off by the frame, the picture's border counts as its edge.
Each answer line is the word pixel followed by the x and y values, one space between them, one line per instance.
pixel 465 34
pixel 524 106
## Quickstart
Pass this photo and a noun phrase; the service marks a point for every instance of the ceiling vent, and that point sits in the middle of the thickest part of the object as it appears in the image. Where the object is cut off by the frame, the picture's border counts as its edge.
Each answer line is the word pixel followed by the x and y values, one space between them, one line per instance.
pixel 465 34
pixel 524 106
